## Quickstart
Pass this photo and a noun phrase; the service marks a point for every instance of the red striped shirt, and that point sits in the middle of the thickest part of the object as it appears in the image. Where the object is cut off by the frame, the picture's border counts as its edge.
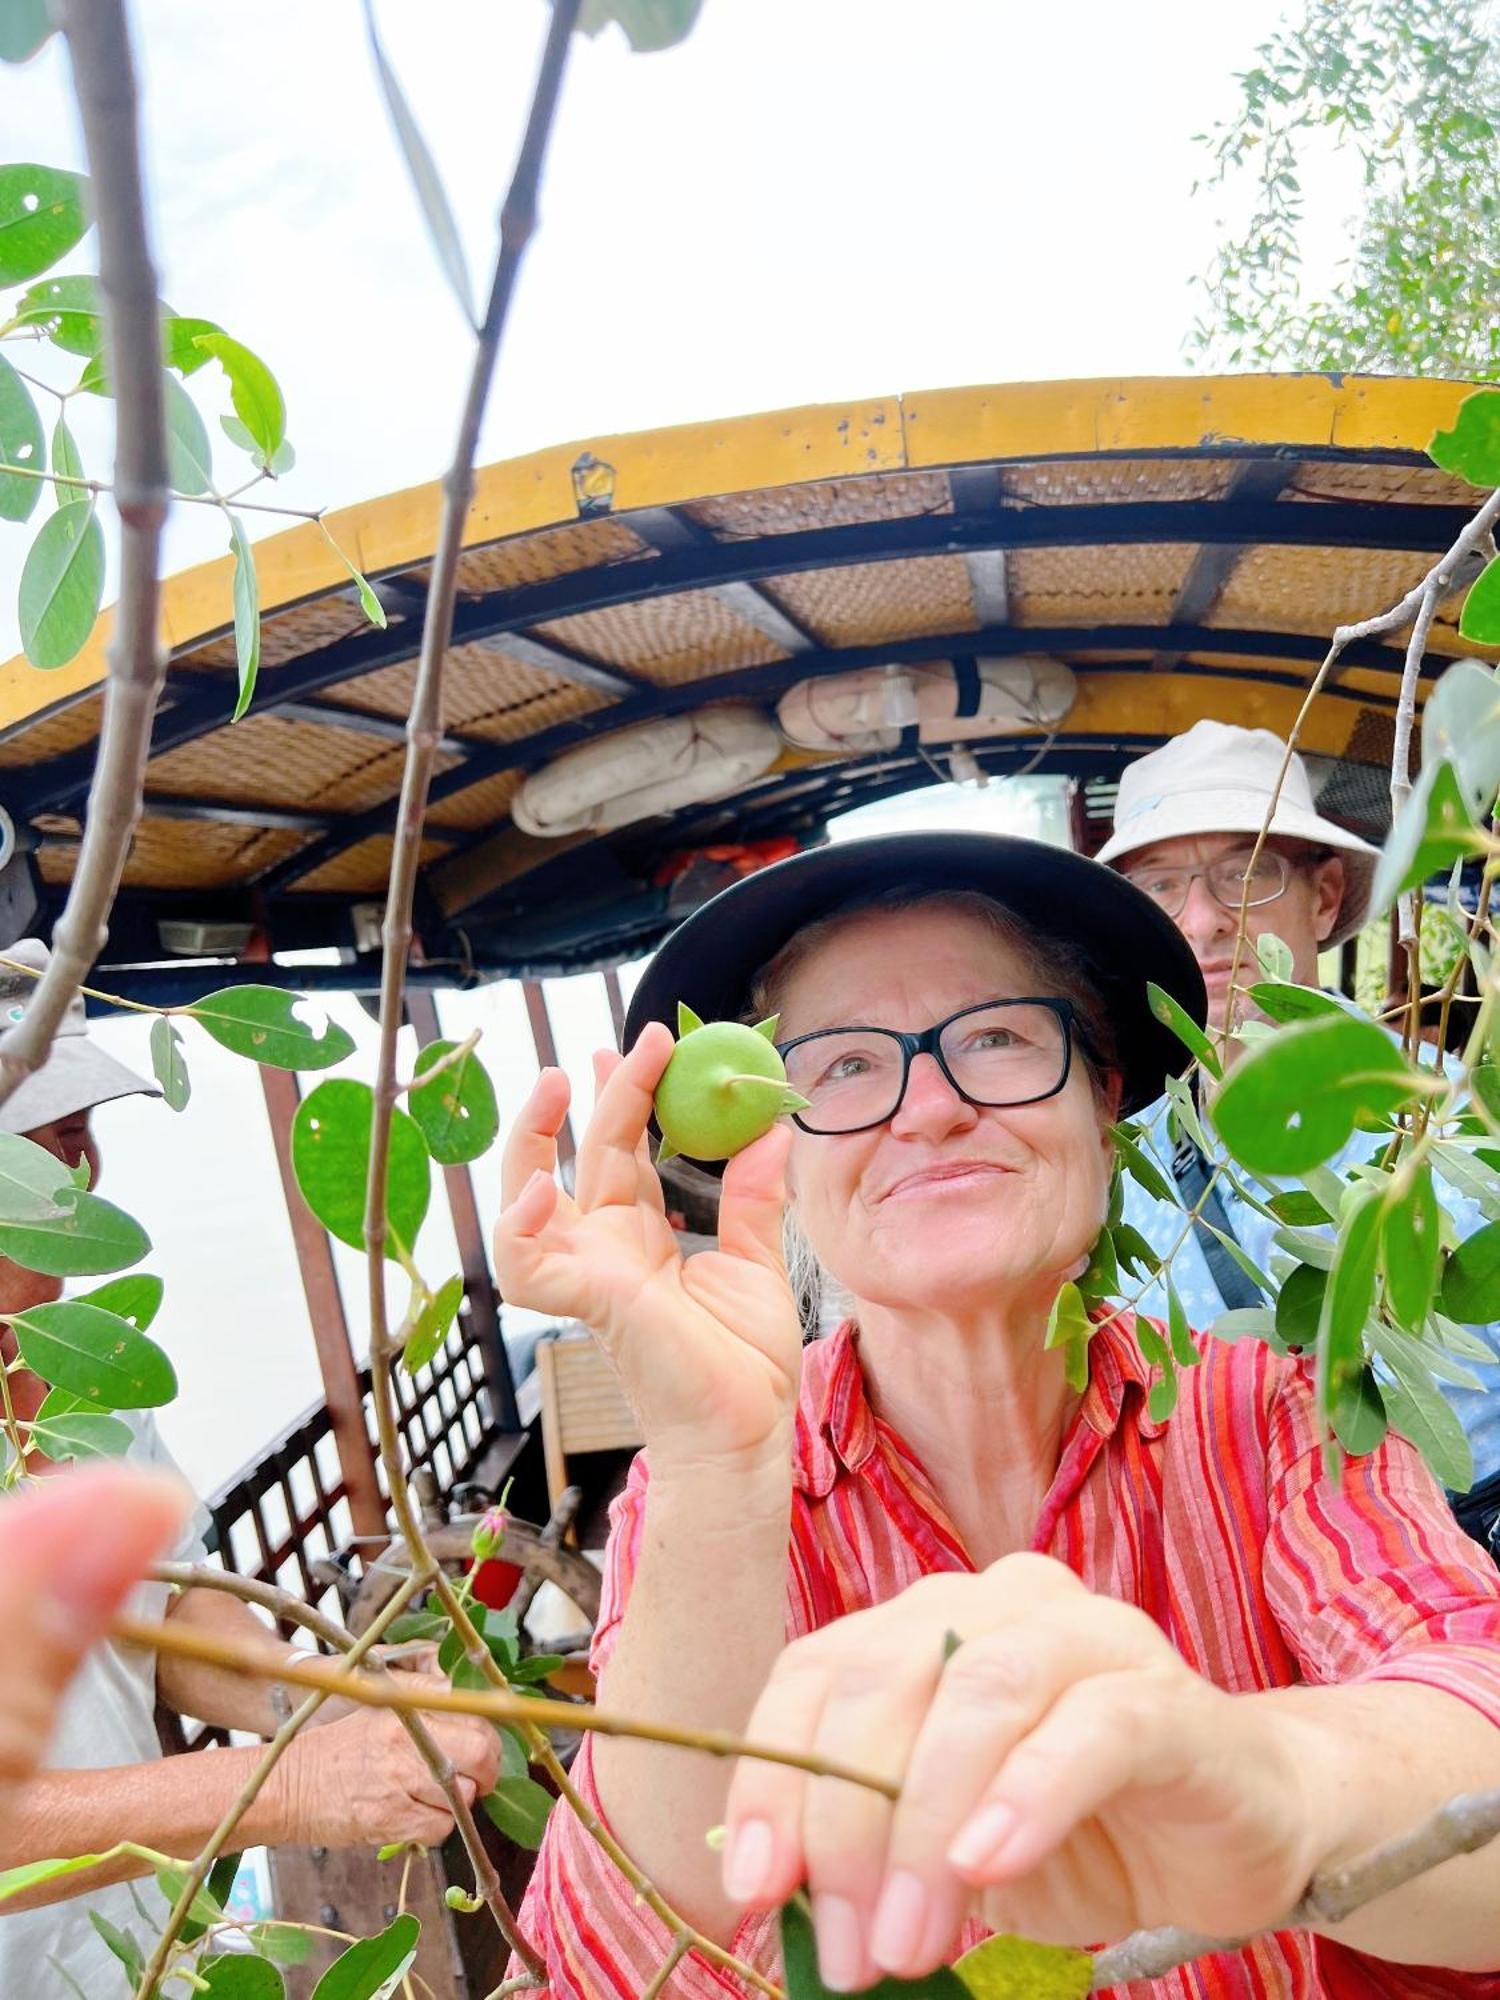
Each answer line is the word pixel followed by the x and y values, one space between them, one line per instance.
pixel 1218 1522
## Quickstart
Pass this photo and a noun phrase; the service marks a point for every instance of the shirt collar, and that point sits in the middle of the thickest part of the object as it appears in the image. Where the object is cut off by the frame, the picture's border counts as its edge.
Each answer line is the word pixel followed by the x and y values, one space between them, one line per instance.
pixel 836 1427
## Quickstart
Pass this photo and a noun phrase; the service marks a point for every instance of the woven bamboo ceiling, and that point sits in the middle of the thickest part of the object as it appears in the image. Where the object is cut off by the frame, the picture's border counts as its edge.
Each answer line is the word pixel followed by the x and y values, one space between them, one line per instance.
pixel 1184 546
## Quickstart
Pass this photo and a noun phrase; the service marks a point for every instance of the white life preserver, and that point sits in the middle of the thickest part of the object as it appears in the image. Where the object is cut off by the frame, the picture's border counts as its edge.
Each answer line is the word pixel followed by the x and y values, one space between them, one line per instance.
pixel 654 767
pixel 871 709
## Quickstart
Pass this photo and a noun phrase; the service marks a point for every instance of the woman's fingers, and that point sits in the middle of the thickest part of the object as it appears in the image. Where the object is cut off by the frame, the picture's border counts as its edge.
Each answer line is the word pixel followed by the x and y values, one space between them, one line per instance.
pixel 753 1201
pixel 763 1815
pixel 608 1162
pixel 648 1181
pixel 532 1145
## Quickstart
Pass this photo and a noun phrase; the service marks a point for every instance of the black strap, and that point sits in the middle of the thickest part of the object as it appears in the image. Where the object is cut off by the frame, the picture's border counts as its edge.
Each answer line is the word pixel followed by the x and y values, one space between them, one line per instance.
pixel 1190 1171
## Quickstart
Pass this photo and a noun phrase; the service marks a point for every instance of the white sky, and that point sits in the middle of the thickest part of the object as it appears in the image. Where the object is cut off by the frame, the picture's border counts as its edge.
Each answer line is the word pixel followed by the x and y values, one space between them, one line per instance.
pixel 810 200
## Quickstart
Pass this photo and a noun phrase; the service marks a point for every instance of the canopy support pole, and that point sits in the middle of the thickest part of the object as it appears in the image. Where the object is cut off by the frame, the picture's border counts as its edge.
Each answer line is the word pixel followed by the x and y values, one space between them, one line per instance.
pixel 616 1004
pixel 479 1284
pixel 546 1054
pixel 325 1308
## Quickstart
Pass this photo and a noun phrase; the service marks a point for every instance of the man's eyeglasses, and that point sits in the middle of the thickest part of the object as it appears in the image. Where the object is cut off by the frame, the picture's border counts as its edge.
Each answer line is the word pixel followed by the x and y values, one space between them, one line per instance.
pixel 1002 1052
pixel 1231 880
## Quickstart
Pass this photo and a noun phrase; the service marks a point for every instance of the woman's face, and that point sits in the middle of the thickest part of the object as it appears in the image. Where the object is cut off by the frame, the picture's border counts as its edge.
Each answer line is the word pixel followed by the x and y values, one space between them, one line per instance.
pixel 948 1204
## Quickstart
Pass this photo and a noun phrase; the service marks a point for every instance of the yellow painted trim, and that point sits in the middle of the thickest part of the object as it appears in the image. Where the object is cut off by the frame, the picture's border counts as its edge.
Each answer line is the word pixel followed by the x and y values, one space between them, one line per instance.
pixel 786 448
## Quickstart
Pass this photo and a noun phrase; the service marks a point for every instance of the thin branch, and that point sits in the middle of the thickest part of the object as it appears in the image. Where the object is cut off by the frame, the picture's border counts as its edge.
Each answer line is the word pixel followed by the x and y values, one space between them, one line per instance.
pixel 104 82
pixel 496 1704
pixel 1461 1826
pixel 220 500
pixel 681 1945
pixel 279 1744
pixel 455 1057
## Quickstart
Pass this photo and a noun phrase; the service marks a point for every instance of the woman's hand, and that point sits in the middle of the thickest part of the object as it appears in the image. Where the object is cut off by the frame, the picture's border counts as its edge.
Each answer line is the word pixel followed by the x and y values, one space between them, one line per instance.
pixel 709 1347
pixel 1064 1775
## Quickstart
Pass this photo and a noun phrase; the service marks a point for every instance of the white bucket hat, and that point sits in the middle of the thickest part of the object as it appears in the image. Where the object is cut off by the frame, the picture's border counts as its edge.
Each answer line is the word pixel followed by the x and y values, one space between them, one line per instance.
pixel 1216 778
pixel 77 1073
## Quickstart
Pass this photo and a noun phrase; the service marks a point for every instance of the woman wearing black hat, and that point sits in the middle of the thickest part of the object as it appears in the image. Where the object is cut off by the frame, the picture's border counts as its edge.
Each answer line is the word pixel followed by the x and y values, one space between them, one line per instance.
pixel 1127 1672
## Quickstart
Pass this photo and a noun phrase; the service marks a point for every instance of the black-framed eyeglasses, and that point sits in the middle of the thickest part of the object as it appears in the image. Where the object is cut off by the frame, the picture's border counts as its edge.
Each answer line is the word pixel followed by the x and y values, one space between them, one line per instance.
pixel 1231 881
pixel 998 1053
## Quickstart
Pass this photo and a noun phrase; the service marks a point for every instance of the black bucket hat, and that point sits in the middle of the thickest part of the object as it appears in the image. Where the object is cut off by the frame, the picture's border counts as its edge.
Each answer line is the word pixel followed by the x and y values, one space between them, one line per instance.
pixel 711 960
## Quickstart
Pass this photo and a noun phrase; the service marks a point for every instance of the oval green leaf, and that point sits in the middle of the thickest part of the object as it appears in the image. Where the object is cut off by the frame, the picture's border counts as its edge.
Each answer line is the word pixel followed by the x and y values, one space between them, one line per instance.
pixel 20 444
pixel 1481 613
pixel 94 1355
pixel 34 1184
pixel 246 616
pixel 427 182
pixel 431 1329
pixel 87 1238
pixel 1347 1299
pixel 267 1025
pixel 1471 450
pixel 800 1956
pixel 190 455
pixel 253 389
pixel 1282 1002
pixel 372 1967
pixel 60 1434
pixel 1013 1968
pixel 24 26
pixel 62 585
pixel 168 1064
pixel 1461 727
pixel 1358 1415
pixel 1433 831
pixel 1293 1101
pixel 1410 1248
pixel 1471 1282
pixel 136 1298
pixel 65 311
pixel 457 1112
pixel 1299 1305
pixel 331 1159
pixel 1417 1407
pixel 519 1807
pixel 42 216
pixel 66 463
pixel 649 25
pixel 1172 1015
pixel 239 1976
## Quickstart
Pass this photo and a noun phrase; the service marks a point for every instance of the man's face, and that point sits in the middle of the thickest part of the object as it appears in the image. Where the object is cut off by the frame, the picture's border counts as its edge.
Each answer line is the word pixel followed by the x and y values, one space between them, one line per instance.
pixel 1303 916
pixel 69 1140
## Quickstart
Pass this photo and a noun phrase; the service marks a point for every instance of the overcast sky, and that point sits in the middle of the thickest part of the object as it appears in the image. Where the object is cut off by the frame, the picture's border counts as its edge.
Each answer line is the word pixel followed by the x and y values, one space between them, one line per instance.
pixel 810 200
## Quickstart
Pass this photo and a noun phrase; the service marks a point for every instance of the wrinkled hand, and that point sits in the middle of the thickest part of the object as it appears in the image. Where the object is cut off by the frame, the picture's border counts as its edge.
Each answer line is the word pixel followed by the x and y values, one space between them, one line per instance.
pixel 1065 1775
pixel 708 1348
pixel 361 1782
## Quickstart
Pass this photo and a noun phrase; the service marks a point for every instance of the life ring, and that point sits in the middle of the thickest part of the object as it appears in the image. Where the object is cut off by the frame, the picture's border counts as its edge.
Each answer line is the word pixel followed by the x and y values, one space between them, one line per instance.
pixel 945 701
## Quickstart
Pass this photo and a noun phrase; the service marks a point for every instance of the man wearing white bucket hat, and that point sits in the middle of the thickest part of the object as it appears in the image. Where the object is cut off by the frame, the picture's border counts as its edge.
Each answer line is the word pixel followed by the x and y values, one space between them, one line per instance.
pixel 1186 820
pixel 105 1779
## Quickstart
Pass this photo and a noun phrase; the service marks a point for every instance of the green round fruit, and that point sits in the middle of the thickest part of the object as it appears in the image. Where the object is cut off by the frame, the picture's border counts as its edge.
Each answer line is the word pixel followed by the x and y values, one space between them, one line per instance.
pixel 724 1087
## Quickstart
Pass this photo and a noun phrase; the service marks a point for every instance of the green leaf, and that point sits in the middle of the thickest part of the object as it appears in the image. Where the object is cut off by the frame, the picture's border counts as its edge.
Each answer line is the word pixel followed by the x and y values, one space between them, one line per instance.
pixel 168 1064
pixel 1433 831
pixel 1347 1299
pixel 331 1159
pixel 1410 1246
pixel 371 1969
pixel 527 1672
pixel 1243 1258
pixel 281 460
pixel 42 216
pixel 220 1886
pixel 519 1807
pixel 416 1625
pixel 1358 1414
pixel 122 1943
pixel 65 311
pixel 427 182
pixel 1069 1327
pixel 431 1329
pixel 34 1184
pixel 282 1943
pixel 1299 1305
pixel 1471 1281
pixel 24 26
pixel 1183 1348
pixel 1309 1246
pixel 1282 1002
pixel 1471 450
pixel 649 25
pixel 246 616
pixel 95 1355
pixel 1140 1168
pixel 1013 1968
pixel 31 1873
pixel 1461 727
pixel 369 603
pixel 136 1298
pixel 1275 956
pixel 62 585
pixel 457 1113
pixel 252 389
pixel 62 1431
pixel 1470 1174
pixel 1134 1252
pixel 1246 1323
pixel 238 1976
pixel 1172 1015
pixel 1481 613
pixel 1417 1407
pixel 1161 1399
pixel 1484 1088
pixel 190 456
pixel 1299 1209
pixel 268 1026
pixel 800 1956
pixel 1294 1101
pixel 20 444
pixel 204 1909
pixel 65 462
pixel 88 1237
pixel 1102 1278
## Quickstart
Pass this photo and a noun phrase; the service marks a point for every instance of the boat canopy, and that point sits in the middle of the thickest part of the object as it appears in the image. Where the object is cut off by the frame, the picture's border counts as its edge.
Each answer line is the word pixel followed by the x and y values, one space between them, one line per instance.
pixel 677 655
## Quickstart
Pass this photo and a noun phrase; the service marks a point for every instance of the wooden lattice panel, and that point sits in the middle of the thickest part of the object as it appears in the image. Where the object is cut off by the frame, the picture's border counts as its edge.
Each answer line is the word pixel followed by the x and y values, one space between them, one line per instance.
pixel 834 503
pixel 1135 585
pixel 1311 590
pixel 482 683
pixel 184 854
pixel 1412 485
pixel 864 604
pixel 1071 482
pixel 266 760
pixel 684 636
pixel 362 869
pixel 554 552
pixel 287 635
pixel 478 805
pixel 53 735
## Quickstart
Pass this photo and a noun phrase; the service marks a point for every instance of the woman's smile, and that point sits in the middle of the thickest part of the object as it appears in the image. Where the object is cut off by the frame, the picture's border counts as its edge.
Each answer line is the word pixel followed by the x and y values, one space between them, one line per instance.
pixel 945 1178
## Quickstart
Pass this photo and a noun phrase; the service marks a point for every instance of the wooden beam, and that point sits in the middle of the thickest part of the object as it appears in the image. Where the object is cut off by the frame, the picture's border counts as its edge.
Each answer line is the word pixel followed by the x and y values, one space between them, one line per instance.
pixel 546 1054
pixel 325 1308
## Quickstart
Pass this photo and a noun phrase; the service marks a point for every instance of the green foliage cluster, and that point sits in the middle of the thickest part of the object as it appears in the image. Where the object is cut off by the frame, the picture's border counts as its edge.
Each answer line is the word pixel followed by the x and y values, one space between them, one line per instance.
pixel 1411 88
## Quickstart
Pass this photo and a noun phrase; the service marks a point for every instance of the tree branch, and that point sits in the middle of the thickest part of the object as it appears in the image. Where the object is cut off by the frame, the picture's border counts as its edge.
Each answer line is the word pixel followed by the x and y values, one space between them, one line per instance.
pixel 104 81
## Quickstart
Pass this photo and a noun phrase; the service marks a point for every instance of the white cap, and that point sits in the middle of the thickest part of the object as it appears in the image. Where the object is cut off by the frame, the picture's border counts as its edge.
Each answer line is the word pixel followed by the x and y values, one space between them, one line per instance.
pixel 77 1073
pixel 1217 778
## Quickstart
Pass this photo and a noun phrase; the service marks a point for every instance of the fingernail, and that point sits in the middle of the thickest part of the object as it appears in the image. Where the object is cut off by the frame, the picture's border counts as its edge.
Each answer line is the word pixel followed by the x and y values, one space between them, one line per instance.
pixel 747 1866
pixel 840 1955
pixel 900 1922
pixel 980 1841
